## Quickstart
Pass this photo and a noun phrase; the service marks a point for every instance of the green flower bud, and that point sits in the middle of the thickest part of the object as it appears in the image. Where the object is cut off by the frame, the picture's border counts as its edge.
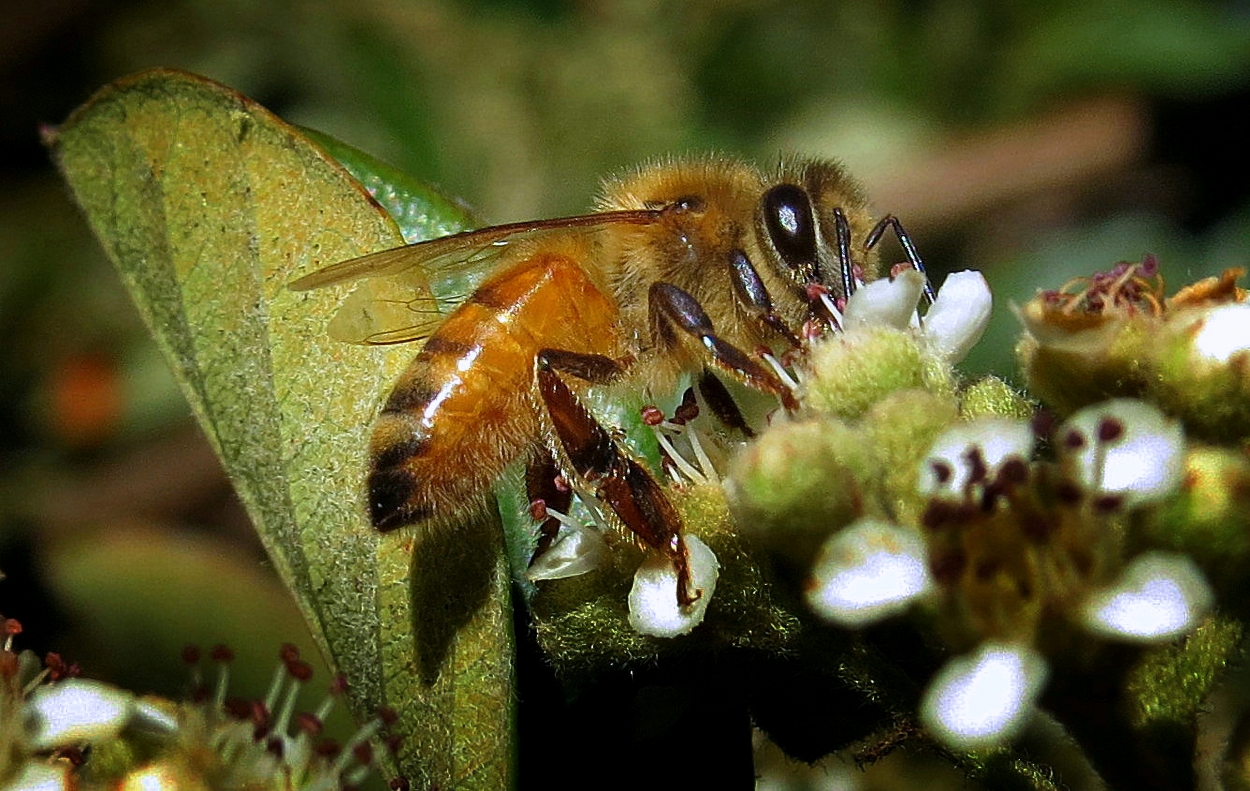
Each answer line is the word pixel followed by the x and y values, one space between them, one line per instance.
pixel 852 371
pixel 796 484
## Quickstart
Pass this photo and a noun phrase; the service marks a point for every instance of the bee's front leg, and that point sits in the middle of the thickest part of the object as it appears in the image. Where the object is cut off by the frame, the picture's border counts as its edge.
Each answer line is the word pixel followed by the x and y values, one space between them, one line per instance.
pixel 673 310
pixel 630 491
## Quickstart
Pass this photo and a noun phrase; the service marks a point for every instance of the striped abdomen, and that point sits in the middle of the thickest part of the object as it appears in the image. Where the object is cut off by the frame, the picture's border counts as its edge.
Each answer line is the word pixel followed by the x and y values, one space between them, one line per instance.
pixel 464 408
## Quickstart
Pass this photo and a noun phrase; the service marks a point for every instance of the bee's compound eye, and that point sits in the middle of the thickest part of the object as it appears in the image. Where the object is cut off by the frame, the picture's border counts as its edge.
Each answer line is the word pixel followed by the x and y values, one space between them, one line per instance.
pixel 791 227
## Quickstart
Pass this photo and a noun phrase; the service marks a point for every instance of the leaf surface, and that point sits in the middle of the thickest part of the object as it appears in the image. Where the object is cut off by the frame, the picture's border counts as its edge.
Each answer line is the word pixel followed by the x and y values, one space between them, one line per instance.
pixel 209 205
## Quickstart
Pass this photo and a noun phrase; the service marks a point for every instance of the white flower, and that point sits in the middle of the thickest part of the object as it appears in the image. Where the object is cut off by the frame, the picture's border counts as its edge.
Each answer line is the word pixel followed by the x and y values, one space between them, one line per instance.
pixel 577 550
pixel 77 710
pixel 1125 447
pixel 973 453
pixel 43 777
pixel 958 317
pixel 653 607
pixel 1160 595
pixel 984 698
pixel 1225 331
pixel 952 325
pixel 868 571
pixel 888 301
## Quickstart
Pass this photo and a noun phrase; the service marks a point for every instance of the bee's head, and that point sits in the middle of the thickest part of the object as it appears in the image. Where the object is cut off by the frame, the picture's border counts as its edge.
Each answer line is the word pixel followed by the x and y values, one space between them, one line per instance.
pixel 812 224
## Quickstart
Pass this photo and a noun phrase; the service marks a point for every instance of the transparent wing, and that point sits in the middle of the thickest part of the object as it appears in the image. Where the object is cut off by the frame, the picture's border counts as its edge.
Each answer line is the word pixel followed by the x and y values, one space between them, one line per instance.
pixel 403 293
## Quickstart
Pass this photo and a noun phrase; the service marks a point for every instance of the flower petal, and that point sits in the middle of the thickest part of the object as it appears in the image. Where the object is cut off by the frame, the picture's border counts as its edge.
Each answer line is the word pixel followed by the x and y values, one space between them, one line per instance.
pixel 653 607
pixel 888 301
pixel 958 317
pixel 991 441
pixel 869 571
pixel 985 698
pixel 1160 595
pixel 1225 332
pixel 1145 460
pixel 76 710
pixel 577 550
pixel 36 776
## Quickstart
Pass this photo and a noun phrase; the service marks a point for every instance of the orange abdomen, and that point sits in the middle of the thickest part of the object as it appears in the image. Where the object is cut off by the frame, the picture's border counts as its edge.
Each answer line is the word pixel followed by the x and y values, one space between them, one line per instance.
pixel 465 408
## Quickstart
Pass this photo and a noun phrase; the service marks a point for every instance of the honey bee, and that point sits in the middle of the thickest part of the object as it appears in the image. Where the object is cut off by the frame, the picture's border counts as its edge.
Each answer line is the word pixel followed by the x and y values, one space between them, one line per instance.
pixel 684 267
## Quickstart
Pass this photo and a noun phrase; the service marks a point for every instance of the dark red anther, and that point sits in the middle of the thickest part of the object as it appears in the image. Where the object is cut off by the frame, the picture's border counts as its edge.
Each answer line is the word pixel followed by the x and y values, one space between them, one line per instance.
pixel 326 748
pixel 977 468
pixel 310 724
pixel 363 752
pixel 221 653
pixel 12 626
pixel 260 714
pixel 388 715
pixel 1013 472
pixel 288 652
pixel 190 654
pixel 1073 439
pixel 562 484
pixel 815 291
pixel 1110 429
pixel 942 471
pixel 58 669
pixel 299 670
pixel 399 784
pixel 688 409
pixel 538 510
pixel 652 415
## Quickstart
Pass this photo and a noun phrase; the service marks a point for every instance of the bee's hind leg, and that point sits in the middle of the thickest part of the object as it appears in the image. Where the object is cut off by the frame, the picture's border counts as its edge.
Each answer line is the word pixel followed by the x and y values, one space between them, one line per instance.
pixel 626 486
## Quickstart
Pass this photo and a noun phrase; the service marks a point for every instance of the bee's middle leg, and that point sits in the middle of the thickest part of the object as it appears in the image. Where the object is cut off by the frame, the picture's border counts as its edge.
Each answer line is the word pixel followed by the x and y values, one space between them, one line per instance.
pixel 626 486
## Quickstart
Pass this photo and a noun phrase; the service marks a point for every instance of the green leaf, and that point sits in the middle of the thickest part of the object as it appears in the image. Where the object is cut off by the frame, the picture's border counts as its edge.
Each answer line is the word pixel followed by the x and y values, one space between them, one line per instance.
pixel 209 205
pixel 420 211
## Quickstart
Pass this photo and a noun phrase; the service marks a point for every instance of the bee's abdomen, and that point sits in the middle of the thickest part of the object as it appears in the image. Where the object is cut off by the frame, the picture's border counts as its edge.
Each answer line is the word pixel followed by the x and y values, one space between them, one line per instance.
pixel 463 410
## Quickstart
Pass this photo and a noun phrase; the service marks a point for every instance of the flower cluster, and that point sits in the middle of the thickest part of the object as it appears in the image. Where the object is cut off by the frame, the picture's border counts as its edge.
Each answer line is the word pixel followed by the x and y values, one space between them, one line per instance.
pixel 48 717
pixel 1010 547
pixel 902 489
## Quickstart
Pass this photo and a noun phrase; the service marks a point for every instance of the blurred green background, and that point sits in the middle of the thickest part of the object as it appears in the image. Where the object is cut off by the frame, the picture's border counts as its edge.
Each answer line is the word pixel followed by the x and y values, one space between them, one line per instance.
pixel 1032 140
